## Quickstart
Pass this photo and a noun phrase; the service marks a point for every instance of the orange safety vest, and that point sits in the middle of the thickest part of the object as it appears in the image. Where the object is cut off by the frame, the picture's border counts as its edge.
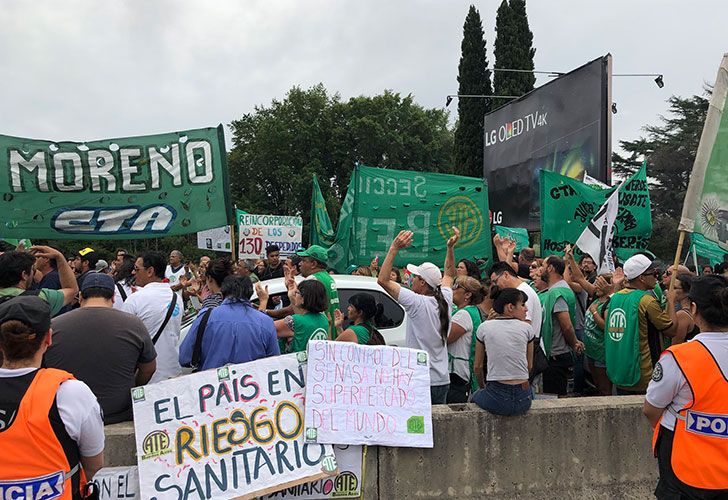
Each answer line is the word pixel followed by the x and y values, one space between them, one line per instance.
pixel 34 463
pixel 700 444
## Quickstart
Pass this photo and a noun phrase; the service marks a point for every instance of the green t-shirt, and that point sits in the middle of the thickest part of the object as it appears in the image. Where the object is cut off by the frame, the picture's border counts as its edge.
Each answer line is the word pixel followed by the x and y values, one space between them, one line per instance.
pixel 54 298
pixel 333 295
pixel 306 327
pixel 362 334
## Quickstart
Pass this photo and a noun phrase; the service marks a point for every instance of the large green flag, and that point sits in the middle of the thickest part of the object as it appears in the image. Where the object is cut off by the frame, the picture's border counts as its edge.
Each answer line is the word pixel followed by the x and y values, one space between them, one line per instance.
pixel 322 232
pixel 705 209
pixel 133 187
pixel 381 202
pixel 708 249
pixel 568 205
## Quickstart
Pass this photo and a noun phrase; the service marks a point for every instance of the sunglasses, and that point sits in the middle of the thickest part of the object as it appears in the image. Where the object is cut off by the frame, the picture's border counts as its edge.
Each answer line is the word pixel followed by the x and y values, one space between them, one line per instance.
pixel 456 286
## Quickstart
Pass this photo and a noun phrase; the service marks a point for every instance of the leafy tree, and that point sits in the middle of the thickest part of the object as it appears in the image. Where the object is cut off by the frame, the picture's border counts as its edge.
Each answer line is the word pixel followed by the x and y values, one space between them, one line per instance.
pixel 277 148
pixel 513 50
pixel 669 150
pixel 473 79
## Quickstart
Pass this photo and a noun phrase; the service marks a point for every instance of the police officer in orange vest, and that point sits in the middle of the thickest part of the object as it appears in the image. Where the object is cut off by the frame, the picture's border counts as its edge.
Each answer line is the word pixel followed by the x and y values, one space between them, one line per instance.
pixel 51 431
pixel 687 401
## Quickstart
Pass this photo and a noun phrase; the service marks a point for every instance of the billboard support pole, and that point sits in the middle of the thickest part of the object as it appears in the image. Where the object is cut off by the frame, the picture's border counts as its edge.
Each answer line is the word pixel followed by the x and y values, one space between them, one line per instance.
pixel 608 164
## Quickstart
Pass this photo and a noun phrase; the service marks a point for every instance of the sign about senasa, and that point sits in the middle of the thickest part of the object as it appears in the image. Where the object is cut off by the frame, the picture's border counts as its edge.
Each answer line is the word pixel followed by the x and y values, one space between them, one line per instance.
pixel 374 395
pixel 257 232
pixel 134 187
pixel 232 432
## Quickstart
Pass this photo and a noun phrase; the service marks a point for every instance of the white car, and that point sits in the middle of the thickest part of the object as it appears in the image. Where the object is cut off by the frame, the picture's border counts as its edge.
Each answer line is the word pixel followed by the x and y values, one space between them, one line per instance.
pixel 391 320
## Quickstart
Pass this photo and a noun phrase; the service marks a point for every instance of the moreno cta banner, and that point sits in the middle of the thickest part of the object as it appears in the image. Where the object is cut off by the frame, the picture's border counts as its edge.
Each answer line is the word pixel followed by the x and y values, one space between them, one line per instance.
pixel 133 187
pixel 562 127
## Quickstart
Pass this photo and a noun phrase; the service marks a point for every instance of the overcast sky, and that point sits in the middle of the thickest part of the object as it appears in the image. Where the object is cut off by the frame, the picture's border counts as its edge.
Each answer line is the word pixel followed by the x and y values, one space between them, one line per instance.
pixel 85 69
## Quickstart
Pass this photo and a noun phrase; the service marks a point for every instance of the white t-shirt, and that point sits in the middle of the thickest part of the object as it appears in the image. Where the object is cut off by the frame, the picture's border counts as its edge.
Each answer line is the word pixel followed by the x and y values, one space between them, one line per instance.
pixel 79 411
pixel 174 276
pixel 118 299
pixel 150 304
pixel 506 342
pixel 535 310
pixel 669 386
pixel 460 349
pixel 423 330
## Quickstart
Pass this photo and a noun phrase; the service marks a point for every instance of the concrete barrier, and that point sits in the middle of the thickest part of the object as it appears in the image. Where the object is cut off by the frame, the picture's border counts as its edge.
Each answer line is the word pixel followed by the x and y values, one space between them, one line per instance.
pixel 587 448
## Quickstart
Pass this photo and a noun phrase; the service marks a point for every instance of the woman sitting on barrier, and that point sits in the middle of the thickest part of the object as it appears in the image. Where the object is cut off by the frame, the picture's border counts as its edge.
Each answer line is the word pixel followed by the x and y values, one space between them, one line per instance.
pixel 310 302
pixel 361 312
pixel 508 340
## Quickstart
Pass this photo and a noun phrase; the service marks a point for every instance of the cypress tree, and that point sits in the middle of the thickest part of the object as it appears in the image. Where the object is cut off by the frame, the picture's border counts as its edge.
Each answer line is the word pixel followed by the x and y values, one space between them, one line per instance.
pixel 513 50
pixel 473 79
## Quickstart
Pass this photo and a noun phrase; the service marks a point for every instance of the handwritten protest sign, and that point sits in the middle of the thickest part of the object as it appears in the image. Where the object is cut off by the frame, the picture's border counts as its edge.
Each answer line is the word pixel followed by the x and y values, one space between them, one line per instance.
pixel 347 484
pixel 359 394
pixel 117 483
pixel 215 239
pixel 226 433
pixel 256 232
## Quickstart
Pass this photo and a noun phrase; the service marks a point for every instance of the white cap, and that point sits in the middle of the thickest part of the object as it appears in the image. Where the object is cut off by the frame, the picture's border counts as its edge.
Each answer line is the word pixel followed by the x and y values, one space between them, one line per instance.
pixel 428 272
pixel 636 265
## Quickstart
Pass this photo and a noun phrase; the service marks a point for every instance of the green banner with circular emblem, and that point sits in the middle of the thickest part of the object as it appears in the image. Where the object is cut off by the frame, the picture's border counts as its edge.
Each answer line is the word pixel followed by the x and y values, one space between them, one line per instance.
pixel 381 202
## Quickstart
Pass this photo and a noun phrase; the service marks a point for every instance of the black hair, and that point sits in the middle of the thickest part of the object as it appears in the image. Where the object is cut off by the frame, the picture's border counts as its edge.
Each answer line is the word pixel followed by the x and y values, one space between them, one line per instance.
pixel 720 267
pixel 527 253
pixel 296 261
pixel 710 295
pixel 586 256
pixel 686 280
pixel 126 270
pixel 504 296
pixel 443 311
pixel 237 288
pixel 471 267
pixel 272 248
pixel 365 303
pixel 501 268
pixel 97 291
pixel 557 263
pixel 314 296
pixel 12 266
pixel 92 258
pixel 219 269
pixel 19 340
pixel 122 250
pixel 398 277
pixel 155 260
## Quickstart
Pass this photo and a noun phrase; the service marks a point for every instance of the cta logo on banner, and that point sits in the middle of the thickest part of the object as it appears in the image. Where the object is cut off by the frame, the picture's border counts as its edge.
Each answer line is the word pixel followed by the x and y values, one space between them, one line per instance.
pixel 134 187
pixel 374 395
pixel 232 432
pixel 256 232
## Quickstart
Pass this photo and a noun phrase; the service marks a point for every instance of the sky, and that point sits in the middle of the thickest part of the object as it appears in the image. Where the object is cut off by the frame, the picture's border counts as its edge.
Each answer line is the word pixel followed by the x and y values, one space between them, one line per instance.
pixel 83 69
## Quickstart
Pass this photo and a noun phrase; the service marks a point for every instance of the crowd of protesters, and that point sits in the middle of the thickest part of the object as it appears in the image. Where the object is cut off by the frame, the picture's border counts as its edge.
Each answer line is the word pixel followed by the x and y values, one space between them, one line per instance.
pixel 497 333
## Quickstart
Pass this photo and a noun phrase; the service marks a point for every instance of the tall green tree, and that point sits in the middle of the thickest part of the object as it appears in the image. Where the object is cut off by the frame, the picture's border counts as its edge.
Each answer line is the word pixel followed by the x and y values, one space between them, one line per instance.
pixel 669 149
pixel 277 148
pixel 473 79
pixel 513 50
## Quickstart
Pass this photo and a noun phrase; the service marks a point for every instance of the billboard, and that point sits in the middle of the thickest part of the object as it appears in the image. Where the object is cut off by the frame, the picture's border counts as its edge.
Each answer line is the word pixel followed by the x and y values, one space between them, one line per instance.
pixel 563 127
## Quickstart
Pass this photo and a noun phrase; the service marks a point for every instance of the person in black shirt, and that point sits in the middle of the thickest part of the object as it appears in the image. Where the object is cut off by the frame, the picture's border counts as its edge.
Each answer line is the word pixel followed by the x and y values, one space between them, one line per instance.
pixel 274 268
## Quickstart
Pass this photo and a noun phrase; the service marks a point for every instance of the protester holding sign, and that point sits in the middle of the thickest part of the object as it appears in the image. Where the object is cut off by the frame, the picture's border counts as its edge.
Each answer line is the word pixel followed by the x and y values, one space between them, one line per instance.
pixel 467 294
pixel 428 305
pixel 52 437
pixel 634 323
pixel 509 342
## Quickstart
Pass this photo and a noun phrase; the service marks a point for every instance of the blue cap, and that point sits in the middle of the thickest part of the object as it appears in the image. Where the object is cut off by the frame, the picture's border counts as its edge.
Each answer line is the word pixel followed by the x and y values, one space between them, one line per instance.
pixel 97 280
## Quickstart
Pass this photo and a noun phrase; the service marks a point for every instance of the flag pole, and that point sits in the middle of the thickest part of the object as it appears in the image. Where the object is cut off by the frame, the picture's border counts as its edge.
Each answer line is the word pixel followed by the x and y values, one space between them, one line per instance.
pixel 680 242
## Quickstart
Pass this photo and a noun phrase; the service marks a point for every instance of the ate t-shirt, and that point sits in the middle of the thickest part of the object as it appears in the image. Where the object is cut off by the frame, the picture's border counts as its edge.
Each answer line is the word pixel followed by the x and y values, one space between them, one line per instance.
pixel 150 304
pixel 102 347
pixel 423 330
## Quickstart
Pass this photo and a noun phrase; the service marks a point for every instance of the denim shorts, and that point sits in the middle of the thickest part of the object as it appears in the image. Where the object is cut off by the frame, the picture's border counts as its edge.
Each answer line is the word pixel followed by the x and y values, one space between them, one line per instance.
pixel 503 399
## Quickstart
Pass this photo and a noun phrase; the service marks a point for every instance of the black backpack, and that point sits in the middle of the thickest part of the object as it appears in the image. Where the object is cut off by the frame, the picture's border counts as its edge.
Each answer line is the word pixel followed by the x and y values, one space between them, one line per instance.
pixel 25 292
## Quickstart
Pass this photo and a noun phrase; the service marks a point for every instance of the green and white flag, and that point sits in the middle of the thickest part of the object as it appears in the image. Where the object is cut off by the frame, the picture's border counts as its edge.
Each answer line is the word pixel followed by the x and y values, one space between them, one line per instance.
pixel 322 232
pixel 705 209
pixel 567 207
pixel 517 234
pixel 133 187
pixel 708 249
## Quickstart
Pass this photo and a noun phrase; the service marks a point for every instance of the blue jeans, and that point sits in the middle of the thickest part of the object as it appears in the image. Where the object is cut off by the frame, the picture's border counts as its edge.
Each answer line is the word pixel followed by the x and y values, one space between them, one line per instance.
pixel 503 399
pixel 438 394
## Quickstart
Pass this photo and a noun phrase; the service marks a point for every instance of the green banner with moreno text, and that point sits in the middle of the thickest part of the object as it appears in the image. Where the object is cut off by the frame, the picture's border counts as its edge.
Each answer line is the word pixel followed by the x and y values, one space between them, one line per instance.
pixel 381 202
pixel 134 187
pixel 568 205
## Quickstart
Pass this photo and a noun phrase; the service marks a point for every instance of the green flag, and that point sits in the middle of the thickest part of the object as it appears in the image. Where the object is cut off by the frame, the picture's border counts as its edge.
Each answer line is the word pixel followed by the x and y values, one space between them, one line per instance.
pixel 568 205
pixel 15 242
pixel 517 234
pixel 708 249
pixel 705 209
pixel 132 187
pixel 322 232
pixel 381 202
